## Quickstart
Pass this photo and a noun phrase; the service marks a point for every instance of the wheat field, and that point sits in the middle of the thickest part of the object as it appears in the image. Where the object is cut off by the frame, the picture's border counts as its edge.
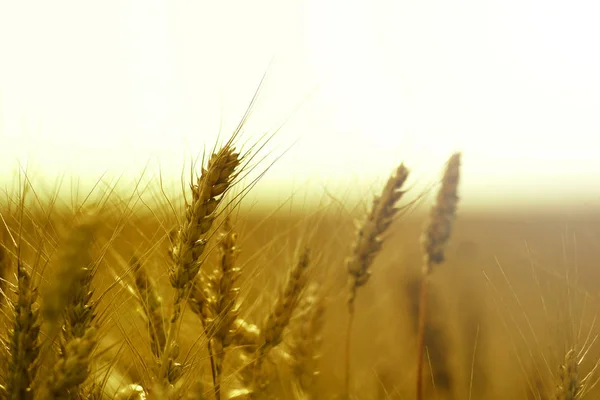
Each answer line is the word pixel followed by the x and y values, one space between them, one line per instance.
pixel 195 297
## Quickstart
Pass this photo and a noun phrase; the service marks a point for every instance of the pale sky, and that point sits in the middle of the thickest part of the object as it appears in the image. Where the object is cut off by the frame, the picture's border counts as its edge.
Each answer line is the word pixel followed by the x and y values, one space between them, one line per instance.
pixel 88 87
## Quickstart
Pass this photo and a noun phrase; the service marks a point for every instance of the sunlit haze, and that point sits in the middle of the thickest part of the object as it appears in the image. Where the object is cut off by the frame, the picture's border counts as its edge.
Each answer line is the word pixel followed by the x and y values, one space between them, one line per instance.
pixel 356 87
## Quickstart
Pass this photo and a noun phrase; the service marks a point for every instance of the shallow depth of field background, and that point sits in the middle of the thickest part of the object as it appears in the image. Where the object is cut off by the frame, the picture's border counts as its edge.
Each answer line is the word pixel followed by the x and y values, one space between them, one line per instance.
pixel 107 91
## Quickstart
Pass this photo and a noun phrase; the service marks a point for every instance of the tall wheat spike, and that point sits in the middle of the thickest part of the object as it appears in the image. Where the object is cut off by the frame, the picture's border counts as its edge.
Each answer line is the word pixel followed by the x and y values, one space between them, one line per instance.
pixel 305 349
pixel 24 339
pixel 285 304
pixel 77 340
pixel 191 239
pixel 434 240
pixel 214 299
pixel 252 375
pixel 367 245
pixel 73 269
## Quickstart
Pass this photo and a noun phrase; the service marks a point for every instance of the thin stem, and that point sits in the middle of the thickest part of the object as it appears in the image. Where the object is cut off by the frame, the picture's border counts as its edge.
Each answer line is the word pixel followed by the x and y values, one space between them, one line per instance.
pixel 348 342
pixel 211 354
pixel 216 385
pixel 421 335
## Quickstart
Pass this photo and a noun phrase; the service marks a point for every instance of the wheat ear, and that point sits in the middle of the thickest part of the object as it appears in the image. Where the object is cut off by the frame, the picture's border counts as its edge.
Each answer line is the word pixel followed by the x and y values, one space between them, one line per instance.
pixel 190 242
pixel 214 299
pixel 191 238
pixel 72 369
pixel 569 386
pixel 74 266
pixel 279 318
pixel 368 242
pixel 24 339
pixel 79 311
pixel 306 345
pixel 434 240
pixel 251 375
pixel 285 304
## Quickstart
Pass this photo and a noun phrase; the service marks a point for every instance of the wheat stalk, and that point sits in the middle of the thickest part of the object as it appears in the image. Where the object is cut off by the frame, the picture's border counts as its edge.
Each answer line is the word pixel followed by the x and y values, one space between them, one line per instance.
pixel 190 240
pixel 72 369
pixel 368 243
pixel 200 213
pixel 74 267
pixel 285 304
pixel 306 345
pixel 434 240
pixel 214 299
pixel 24 344
pixel 78 331
pixel 271 334
pixel 80 310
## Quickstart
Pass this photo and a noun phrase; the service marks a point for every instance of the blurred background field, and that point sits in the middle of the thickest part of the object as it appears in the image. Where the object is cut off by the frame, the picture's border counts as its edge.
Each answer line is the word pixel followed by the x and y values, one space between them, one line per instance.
pixel 518 290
